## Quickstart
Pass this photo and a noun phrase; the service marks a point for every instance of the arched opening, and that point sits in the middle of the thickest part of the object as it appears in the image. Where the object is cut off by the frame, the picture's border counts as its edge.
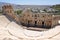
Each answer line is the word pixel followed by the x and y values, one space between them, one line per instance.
pixel 35 23
pixel 28 23
pixel 48 24
pixel 42 24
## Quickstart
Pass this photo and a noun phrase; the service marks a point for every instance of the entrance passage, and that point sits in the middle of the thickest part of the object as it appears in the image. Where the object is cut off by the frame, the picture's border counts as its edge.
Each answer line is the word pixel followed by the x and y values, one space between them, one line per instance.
pixel 35 23
pixel 28 23
pixel 42 24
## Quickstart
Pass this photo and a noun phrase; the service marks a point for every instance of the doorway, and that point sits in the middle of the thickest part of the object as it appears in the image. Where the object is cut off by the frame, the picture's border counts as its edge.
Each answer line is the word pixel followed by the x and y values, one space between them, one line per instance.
pixel 35 23
pixel 43 24
pixel 28 23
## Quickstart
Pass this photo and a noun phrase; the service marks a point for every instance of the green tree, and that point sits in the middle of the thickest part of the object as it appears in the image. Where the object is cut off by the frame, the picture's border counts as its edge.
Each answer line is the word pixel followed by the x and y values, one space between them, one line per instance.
pixel 57 7
pixel 18 12
pixel 45 10
pixel 0 12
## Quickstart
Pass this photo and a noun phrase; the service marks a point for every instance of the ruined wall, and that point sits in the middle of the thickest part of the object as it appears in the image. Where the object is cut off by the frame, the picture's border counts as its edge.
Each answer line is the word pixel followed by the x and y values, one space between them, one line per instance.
pixel 36 19
pixel 39 19
pixel 8 10
pixel 55 20
pixel 32 19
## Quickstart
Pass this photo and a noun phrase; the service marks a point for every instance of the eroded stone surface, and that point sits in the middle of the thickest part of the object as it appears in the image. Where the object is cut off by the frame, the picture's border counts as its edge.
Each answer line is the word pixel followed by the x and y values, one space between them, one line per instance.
pixel 13 31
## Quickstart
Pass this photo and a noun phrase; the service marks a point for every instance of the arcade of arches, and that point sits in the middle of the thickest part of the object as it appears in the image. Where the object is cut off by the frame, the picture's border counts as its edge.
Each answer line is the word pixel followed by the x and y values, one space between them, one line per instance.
pixel 30 19
pixel 37 21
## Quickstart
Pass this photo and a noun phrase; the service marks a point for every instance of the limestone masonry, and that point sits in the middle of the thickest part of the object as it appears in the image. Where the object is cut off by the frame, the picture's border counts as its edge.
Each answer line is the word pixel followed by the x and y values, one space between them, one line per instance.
pixel 31 19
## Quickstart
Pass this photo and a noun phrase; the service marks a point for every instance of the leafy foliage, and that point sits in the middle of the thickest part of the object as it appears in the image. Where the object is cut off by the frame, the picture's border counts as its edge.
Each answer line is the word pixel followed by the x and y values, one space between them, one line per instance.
pixel 57 7
pixel 45 10
pixel 18 12
pixel 0 12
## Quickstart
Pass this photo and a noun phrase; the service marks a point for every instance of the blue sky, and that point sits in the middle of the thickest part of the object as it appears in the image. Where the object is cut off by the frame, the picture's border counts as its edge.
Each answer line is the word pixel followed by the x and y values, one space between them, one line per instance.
pixel 32 2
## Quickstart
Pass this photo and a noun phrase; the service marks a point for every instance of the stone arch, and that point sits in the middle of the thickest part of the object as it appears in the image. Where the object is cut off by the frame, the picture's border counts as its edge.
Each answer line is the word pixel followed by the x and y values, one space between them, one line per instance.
pixel 43 24
pixel 48 23
pixel 29 22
